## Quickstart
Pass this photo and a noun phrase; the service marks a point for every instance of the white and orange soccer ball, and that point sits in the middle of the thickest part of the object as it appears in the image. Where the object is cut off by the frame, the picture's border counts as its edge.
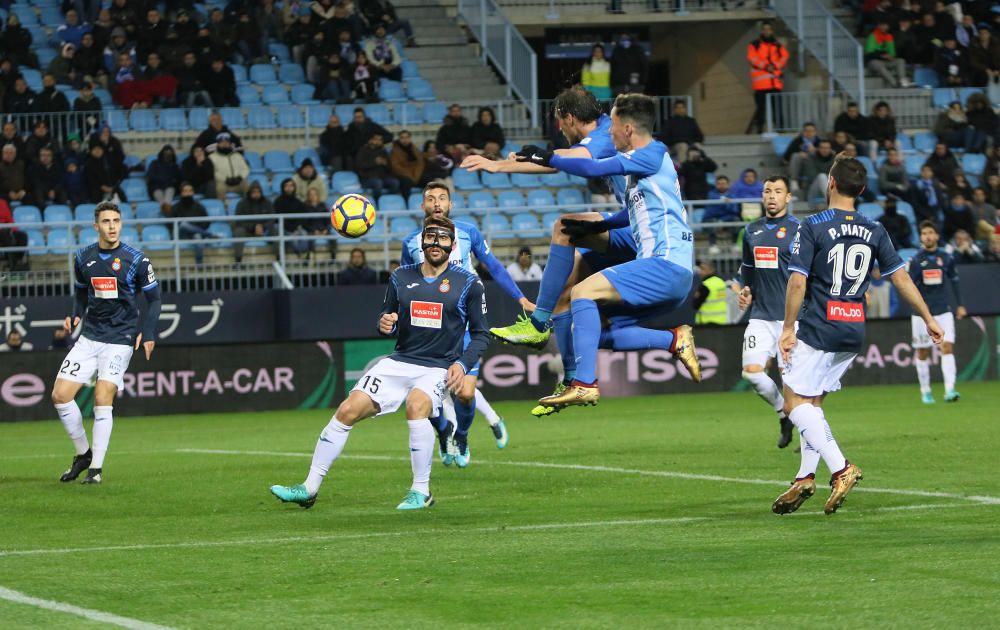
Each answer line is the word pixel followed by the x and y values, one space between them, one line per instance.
pixel 352 215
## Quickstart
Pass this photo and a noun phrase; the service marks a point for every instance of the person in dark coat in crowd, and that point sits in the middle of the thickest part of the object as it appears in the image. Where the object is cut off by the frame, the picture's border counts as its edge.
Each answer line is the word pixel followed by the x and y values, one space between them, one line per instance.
pixel 694 170
pixel 10 236
pixel 206 139
pixel 896 225
pixel 197 169
pixel 487 135
pixel 254 202
pixel 361 129
pixel 221 84
pixel 335 146
pixel 943 163
pixel 164 176
pixel 357 271
pixel 629 67
pixel 288 202
pixel 454 137
pixel 74 182
pixel 189 208
pixel 102 177
pixel 681 131
pixel 45 179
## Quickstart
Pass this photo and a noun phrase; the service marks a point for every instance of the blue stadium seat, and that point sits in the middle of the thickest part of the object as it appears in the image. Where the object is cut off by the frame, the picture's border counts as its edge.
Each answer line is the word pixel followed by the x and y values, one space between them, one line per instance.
pixel 261 117
pixel 319 115
pixel 222 229
pixel 59 240
pixel 345 182
pixel 198 118
pixel 153 237
pixel 233 117
pixel 870 210
pixel 409 69
pixel 291 118
pixel 302 94
pixel 146 210
pixel 434 113
pixel 457 201
pixel 70 93
pixel 418 89
pixel 780 144
pixel 972 179
pixel 291 73
pixel 511 200
pixel 107 102
pixel 913 164
pixel 304 153
pixel 135 190
pixel 27 214
pixel 481 199
pixel 214 207
pixel 173 120
pixel 973 163
pixel 496 222
pixel 510 147
pixel 940 97
pixel 965 92
pixel 377 112
pixel 391 203
pixel 144 120
pixel 240 74
pixel 549 219
pixel 275 189
pixel 904 141
pixel 84 212
pixel 906 210
pixel 907 253
pixel 415 201
pixel 32 77
pixel 391 91
pixel 25 14
pixel 407 114
pixel 526 224
pixel 569 197
pixel 464 180
pixel 278 162
pixel 496 180
pixel 263 74
pixel 525 180
pixel 925 77
pixel 924 141
pixel 247 94
pixel 345 112
pixel 117 119
pixel 51 16
pixel 45 56
pixel 254 160
pixel 36 243
pixel 129 235
pixel 275 95
pixel 56 213
pixel 402 227
pixel 539 199
pixel 279 50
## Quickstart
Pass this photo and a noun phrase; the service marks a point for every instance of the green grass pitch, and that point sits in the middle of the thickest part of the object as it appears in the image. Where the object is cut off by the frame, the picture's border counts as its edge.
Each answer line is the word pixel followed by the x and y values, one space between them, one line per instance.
pixel 602 517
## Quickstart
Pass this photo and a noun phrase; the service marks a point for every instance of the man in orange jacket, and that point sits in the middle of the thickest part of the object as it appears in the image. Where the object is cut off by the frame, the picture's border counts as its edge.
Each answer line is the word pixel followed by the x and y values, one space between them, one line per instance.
pixel 767 58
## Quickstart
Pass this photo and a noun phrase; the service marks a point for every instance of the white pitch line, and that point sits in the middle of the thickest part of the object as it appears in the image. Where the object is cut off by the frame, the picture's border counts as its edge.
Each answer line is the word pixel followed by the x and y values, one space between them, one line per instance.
pixel 87 613
pixel 625 471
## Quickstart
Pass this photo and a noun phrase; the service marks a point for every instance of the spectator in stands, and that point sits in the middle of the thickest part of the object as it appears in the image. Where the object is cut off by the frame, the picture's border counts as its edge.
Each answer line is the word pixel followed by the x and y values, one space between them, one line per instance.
pixel 524 269
pixel 596 74
pixel 983 123
pixel 943 163
pixel 102 178
pixel 945 21
pixel 74 147
pixel 966 32
pixel 253 203
pixel 190 209
pixel 964 249
pixel 124 16
pixel 815 171
pixel 63 66
pixel 114 154
pixel 15 43
pixel 88 62
pixel 347 49
pixel 880 56
pixel 221 84
pixel 882 127
pixel 13 183
pixel 993 255
pixel 993 189
pixel 984 58
pixel 199 171
pixel 191 87
pixel 365 80
pixel 984 213
pixel 119 44
pixel 289 202
pixel 798 151
pixel 361 128
pixel 248 40
pixel 186 28
pixel 406 162
pixel 694 172
pixel 767 58
pixel 950 125
pixel 681 131
pixel 89 107
pixel 720 213
pixel 151 34
pixel 102 28
pixel 318 226
pixel 925 33
pixel 334 146
pixel 927 195
pixel 10 135
pixel 487 134
pixel 437 165
pixel 629 67
pixel 333 79
pixel 45 179
pixel 20 99
pixel 15 343
pixel 382 13
pixel 357 272
pixel 907 46
pixel 961 185
pixel 72 31
pixel 163 177
pixel 857 128
pixel 10 236
pixel 951 64
pixel 896 225
pixel 381 50
pixel 957 216
pixel 299 33
pixel 207 138
pixel 892 179
pixel 454 137
pixel 747 187
pixel 221 33
pixel 50 100
pixel 383 276
pixel 372 166
pixel 323 10
pixel 270 21
pixel 306 179
pixel 74 182
pixel 40 137
pixel 231 169
pixel 315 51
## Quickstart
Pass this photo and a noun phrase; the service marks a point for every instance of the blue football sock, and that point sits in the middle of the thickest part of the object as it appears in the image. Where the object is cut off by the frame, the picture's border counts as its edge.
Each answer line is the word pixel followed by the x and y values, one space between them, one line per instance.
pixel 464 414
pixel 554 279
pixel 562 325
pixel 439 422
pixel 636 338
pixel 586 337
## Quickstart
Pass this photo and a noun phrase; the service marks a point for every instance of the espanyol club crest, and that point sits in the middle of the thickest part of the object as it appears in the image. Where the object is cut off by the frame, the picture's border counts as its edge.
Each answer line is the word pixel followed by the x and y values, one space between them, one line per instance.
pixel 445 286
pixel 782 232
pixel 117 264
pixel 940 262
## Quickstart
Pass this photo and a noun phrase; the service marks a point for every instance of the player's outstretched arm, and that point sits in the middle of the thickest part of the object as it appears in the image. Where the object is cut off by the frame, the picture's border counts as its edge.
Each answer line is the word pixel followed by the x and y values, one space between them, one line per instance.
pixel 153 303
pixel 794 296
pixel 960 312
pixel 475 306
pixel 511 165
pixel 909 292
pixel 483 253
pixel 389 315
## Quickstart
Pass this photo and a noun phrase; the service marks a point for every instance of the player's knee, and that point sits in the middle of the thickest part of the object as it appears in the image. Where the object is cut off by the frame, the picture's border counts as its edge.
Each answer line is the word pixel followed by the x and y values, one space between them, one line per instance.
pixel 418 407
pixel 752 369
pixel 60 398
pixel 923 353
pixel 348 413
pixel 557 234
pixel 947 348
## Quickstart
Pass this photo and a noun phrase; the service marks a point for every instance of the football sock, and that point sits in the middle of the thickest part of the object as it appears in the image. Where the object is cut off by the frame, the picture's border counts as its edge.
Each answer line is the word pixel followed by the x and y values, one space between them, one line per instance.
pixel 103 423
pixel 464 415
pixel 554 278
pixel 586 337
pixel 421 454
pixel 328 448
pixel 766 389
pixel 924 374
pixel 814 429
pixel 948 370
pixel 487 410
pixel 72 419
pixel 809 462
pixel 636 338
pixel 562 326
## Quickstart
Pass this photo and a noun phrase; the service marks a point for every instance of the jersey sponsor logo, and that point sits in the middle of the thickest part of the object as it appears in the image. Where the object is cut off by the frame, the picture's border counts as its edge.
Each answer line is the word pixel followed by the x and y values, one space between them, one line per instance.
pixel 117 264
pixel 932 276
pixel 845 311
pixel 765 257
pixel 426 314
pixel 445 286
pixel 105 288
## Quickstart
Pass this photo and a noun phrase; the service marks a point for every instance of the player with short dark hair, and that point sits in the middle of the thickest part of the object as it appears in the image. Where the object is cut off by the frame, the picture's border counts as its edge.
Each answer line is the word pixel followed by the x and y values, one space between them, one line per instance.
pixel 764 276
pixel 109 276
pixel 928 269
pixel 428 307
pixel 832 257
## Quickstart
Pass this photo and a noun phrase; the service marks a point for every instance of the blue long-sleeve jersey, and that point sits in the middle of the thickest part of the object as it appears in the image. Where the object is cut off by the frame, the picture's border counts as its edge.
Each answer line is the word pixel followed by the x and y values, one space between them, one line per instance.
pixel 108 282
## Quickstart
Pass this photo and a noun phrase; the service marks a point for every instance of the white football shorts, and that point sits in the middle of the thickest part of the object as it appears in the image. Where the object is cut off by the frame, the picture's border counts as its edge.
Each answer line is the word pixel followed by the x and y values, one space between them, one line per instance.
pixel 760 342
pixel 389 382
pixel 923 340
pixel 87 359
pixel 812 372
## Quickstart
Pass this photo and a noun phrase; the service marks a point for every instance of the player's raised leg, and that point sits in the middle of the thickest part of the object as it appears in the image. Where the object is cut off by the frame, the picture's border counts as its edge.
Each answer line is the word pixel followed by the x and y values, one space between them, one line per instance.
pixel 495 420
pixel 63 397
pixel 760 343
pixel 465 413
pixel 418 407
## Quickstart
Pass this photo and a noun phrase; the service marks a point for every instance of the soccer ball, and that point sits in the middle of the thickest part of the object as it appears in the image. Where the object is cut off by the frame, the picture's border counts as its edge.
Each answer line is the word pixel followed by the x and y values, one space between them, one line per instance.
pixel 352 215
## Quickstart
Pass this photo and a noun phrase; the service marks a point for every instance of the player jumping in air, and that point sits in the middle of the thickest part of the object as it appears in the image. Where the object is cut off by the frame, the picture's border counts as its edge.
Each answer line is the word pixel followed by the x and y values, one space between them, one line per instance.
pixel 765 277
pixel 469 242
pixel 429 307
pixel 659 278
pixel 109 277
pixel 832 257
pixel 928 268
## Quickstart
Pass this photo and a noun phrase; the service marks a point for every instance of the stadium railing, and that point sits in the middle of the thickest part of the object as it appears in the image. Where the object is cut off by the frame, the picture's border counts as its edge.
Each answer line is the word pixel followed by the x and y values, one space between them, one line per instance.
pixel 788 111
pixel 552 9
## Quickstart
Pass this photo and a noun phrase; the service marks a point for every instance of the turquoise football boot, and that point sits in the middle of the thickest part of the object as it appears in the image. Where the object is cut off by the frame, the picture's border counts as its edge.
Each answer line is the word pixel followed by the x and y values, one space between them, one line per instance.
pixel 952 396
pixel 446 446
pixel 500 433
pixel 294 494
pixel 415 500
pixel 462 453
pixel 927 398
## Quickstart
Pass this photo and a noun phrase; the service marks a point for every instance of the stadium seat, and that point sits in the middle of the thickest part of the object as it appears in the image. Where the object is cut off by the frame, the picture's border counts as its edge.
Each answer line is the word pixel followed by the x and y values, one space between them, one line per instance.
pixel 275 95
pixel 965 92
pixel 291 118
pixel 538 199
pixel 973 180
pixel 511 200
pixel 135 190
pixel 214 207
pixel 222 229
pixel 391 203
pixel 319 115
pixel 261 117
pixel 59 241
pixel 154 237
pixel 260 178
pixel 907 253
pixel 51 16
pixel 418 89
pixel 510 147
pixel 198 118
pixel 27 214
pixel 84 212
pixel 279 50
pixel 45 56
pixel 940 97
pixel 409 69
pixel 304 153
pixel 526 224
pixel 345 113
pixel 549 219
pixel 870 210
pixel 457 201
pixel 434 113
pixel 240 74
pixel 481 199
pixel 496 222
pixel 402 226
pixel 780 144
pixel 275 188
pixel 415 201
pixel 377 112
pixel 913 164
pixel 391 91
pixel 697 216
pixel 55 213
pixel 905 209
pixel 247 94
pixel 904 141
pixel 143 120
pixel 129 235
pixel 466 218
pixel 104 96
pixel 496 180
pixel 291 73
pixel 36 243
pixel 464 180
pixel 407 114
pixel 262 74
pixel 926 77
pixel 278 162
pixel 32 77
pixel 558 180
pixel 25 14
pixel 124 208
pixel 570 197
pixel 146 210
pixel 233 117
pixel 973 163
pixel 302 94
pixel 924 141
pixel 173 120
pixel 525 180
pixel 254 160
pixel 345 182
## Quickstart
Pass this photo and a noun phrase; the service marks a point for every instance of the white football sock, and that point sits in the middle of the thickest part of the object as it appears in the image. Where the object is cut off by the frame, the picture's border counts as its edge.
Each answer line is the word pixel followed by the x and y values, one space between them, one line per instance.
pixel 72 419
pixel 103 423
pixel 809 462
pixel 481 405
pixel 948 370
pixel 421 454
pixel 923 374
pixel 766 389
pixel 816 431
pixel 328 448
pixel 448 409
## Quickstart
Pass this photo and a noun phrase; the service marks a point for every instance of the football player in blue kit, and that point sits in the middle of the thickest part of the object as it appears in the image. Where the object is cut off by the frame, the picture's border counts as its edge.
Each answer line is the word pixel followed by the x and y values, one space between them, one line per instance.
pixel 929 268
pixel 764 275
pixel 109 276
pixel 832 258
pixel 429 307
